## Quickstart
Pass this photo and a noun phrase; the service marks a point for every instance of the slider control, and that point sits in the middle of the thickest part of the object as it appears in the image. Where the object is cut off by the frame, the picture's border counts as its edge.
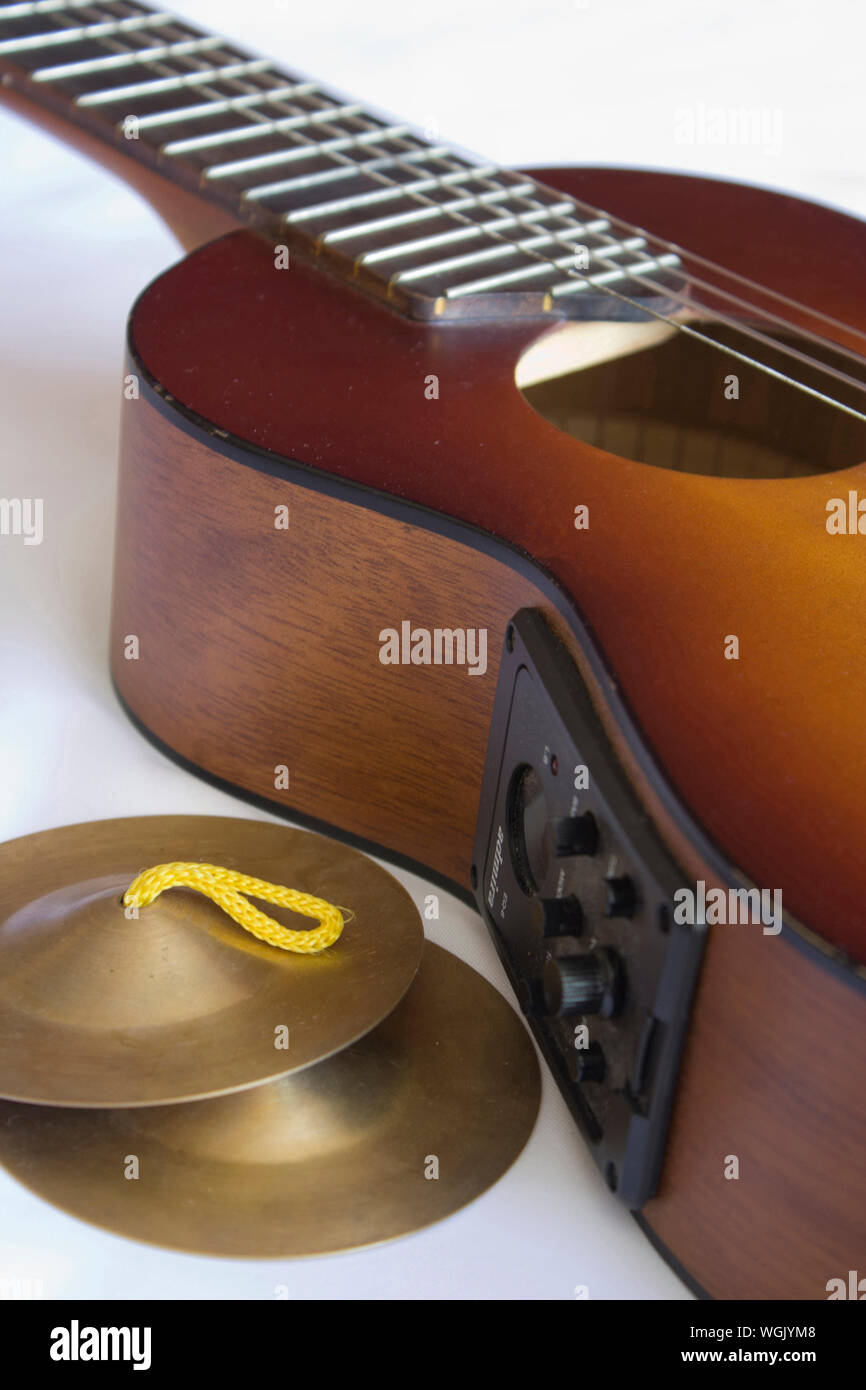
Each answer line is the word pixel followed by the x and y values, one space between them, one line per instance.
pixel 562 916
pixel 575 835
pixel 620 897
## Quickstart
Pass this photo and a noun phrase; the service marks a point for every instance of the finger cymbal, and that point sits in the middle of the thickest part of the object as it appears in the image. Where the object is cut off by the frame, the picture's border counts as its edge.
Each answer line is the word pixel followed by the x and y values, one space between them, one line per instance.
pixel 101 1009
pixel 401 1129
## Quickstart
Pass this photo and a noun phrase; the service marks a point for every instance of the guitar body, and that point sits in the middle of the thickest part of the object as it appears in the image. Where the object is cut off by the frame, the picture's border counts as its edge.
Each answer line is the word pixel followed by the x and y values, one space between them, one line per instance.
pixel 303 470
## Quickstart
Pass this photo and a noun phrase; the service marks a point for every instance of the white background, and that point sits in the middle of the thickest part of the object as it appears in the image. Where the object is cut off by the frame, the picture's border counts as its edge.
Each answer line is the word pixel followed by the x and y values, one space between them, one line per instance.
pixel 520 82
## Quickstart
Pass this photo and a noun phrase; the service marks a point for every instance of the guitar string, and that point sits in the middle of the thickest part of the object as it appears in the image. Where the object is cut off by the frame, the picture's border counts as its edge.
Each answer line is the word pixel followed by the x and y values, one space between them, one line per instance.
pixel 733 275
pixel 634 272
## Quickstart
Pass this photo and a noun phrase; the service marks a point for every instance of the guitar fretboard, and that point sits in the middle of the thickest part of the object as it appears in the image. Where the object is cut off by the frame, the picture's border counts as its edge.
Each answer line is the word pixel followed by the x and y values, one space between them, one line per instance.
pixel 412 220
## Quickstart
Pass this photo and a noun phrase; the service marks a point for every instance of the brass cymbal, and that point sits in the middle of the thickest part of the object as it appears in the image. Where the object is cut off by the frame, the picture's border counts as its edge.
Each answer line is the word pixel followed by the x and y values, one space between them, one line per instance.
pixel 332 1158
pixel 98 1009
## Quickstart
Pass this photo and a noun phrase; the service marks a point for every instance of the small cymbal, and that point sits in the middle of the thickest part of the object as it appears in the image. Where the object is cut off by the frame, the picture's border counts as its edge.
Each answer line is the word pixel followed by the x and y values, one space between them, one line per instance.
pixel 99 1009
pixel 338 1156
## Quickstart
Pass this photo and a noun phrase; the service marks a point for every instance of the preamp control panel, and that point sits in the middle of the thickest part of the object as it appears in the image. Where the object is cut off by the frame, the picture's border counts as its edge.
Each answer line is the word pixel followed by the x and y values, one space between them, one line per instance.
pixel 577 888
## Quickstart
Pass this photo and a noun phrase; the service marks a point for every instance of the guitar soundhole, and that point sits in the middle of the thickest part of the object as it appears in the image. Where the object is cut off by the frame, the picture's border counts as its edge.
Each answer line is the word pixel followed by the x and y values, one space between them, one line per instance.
pixel 663 398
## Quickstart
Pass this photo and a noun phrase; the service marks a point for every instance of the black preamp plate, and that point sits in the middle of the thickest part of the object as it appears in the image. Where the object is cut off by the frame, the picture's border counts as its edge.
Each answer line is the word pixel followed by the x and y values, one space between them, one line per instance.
pixel 577 888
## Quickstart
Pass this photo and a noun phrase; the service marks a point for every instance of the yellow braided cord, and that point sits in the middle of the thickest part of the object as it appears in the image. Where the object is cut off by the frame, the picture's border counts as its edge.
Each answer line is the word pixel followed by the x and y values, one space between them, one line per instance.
pixel 225 887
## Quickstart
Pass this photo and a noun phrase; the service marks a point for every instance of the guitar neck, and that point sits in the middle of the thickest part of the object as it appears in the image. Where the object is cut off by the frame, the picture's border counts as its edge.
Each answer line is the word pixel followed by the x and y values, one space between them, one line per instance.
pixel 416 222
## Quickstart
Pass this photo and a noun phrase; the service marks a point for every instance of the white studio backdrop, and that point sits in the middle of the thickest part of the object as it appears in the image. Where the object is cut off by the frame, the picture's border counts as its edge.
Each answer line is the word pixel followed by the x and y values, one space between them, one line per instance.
pixel 532 83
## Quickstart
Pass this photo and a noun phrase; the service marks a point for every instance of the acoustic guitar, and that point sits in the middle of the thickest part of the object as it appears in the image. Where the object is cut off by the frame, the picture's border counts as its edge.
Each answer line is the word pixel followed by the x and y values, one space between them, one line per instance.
pixel 465 518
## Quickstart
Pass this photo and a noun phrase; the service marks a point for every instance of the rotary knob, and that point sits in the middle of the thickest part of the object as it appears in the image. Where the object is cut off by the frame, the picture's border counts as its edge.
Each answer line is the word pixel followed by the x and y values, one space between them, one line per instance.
pixel 590 984
pixel 575 835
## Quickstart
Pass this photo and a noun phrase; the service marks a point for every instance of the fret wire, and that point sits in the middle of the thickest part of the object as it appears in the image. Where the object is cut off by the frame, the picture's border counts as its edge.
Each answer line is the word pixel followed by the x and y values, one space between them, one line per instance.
pixel 345 167
pixel 398 219
pixel 471 228
pixel 84 32
pixel 326 147
pixel 134 11
pixel 248 132
pixel 227 73
pixel 445 153
pixel 244 100
pixel 384 224
pixel 337 205
pixel 408 248
pixel 475 226
pixel 621 272
pixel 248 100
pixel 35 8
pixel 505 245
pixel 490 253
pixel 169 22
pixel 374 168
pixel 146 56
pixel 192 79
pixel 527 246
pixel 565 263
pixel 521 273
pixel 608 277
pixel 341 171
pixel 542 262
